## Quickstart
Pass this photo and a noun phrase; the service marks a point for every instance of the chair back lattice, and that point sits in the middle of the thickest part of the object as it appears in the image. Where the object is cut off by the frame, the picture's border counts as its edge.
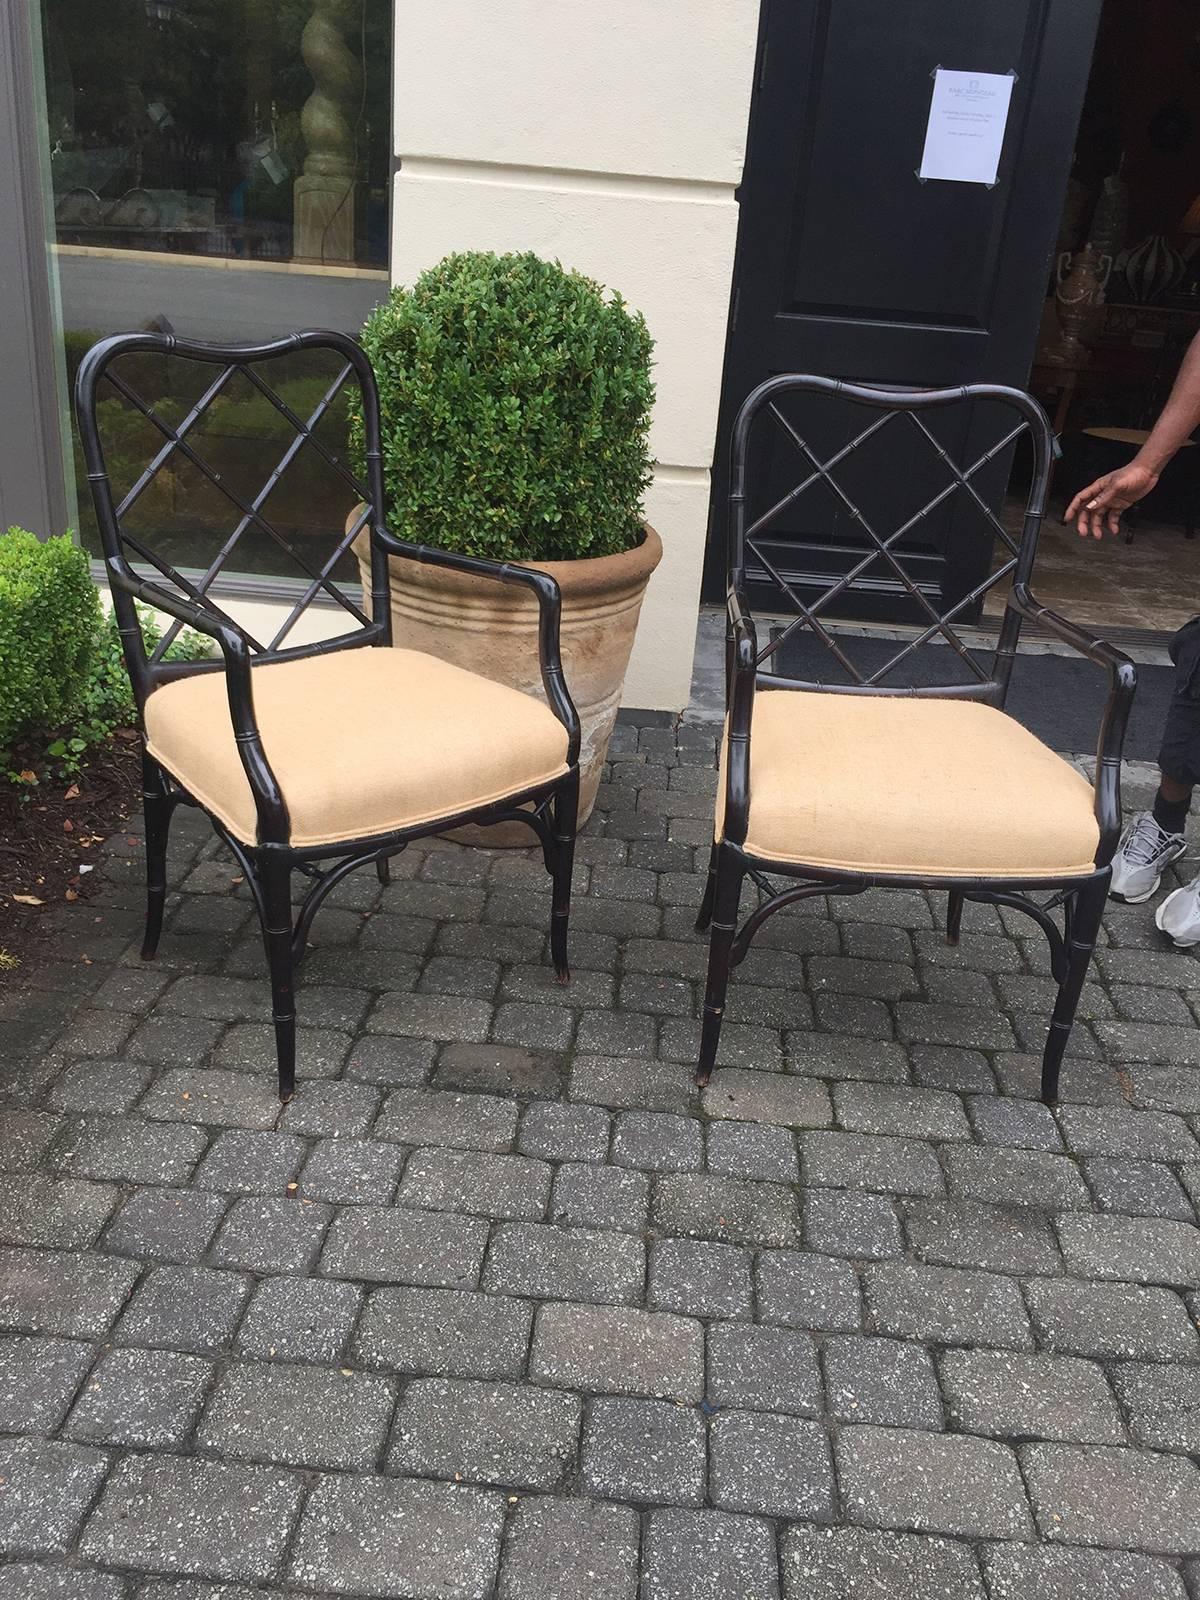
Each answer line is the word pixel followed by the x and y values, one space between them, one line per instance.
pixel 877 550
pixel 172 438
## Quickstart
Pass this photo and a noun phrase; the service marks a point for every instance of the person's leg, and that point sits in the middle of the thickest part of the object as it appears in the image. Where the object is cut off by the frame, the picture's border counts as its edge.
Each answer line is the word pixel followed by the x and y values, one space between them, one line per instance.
pixel 1179 763
pixel 1179 914
pixel 1155 838
pixel 1172 804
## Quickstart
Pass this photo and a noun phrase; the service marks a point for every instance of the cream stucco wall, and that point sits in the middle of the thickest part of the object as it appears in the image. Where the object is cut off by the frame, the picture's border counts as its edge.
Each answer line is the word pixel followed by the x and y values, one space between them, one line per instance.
pixel 609 136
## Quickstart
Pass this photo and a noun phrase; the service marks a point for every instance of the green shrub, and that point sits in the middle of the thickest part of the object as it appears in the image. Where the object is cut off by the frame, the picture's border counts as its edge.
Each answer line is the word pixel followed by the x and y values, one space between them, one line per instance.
pixel 107 701
pixel 516 410
pixel 63 683
pixel 49 616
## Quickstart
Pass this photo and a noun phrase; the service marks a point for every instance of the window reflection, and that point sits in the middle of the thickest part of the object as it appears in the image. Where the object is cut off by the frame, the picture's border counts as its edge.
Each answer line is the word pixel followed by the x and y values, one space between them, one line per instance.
pixel 254 129
pixel 220 169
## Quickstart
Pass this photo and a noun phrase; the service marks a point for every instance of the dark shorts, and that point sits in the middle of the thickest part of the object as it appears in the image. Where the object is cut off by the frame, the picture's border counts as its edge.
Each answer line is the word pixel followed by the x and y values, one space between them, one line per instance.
pixel 1179 757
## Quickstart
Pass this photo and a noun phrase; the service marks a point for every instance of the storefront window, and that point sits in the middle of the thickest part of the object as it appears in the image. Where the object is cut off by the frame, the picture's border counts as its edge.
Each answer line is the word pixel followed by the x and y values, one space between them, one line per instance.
pixel 220 169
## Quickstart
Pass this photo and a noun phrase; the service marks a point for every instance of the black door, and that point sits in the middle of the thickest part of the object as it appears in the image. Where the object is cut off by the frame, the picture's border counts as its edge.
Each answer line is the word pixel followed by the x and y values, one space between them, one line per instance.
pixel 848 265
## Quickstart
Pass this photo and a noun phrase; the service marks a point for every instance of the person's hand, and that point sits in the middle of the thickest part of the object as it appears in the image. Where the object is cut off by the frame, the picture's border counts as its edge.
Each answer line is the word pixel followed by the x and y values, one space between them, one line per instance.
pixel 1103 501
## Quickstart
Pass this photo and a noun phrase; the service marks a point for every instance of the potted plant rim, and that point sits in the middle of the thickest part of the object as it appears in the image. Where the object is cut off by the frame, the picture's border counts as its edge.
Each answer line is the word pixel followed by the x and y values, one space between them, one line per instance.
pixel 515 402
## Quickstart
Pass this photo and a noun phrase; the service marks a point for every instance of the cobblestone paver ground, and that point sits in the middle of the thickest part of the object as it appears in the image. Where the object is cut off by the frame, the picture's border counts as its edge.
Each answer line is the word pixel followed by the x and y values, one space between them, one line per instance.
pixel 501 1306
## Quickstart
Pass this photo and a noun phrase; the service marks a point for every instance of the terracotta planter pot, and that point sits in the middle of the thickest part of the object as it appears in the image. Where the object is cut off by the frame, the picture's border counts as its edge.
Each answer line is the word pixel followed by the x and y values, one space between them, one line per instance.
pixel 491 629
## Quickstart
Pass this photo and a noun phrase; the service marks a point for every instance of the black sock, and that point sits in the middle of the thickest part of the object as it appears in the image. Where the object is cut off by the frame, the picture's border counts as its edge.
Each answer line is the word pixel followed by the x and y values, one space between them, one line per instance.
pixel 1171 815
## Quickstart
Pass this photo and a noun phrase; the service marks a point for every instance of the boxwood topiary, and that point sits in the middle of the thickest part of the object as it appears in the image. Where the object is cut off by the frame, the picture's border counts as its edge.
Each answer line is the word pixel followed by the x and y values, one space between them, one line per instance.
pixel 49 617
pixel 515 402
pixel 63 683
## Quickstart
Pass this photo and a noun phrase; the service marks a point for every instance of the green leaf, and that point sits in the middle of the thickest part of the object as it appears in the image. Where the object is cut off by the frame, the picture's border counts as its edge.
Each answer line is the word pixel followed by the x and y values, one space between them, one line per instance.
pixel 516 402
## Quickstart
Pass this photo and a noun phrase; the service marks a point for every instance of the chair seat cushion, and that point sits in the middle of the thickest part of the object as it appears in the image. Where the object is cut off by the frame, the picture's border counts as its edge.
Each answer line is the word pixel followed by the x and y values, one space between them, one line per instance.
pixel 363 742
pixel 911 786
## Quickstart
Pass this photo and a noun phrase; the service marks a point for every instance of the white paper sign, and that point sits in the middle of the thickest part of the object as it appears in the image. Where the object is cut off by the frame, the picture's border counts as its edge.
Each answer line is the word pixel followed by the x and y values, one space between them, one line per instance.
pixel 967 118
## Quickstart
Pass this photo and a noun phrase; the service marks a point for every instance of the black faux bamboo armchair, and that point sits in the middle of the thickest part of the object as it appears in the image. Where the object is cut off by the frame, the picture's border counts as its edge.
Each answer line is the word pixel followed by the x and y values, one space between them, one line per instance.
pixel 844 786
pixel 317 758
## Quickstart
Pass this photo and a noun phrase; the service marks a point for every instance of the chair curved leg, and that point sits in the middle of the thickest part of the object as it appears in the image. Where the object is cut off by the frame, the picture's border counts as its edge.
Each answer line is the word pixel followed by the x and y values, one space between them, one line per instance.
pixel 726 897
pixel 704 915
pixel 157 808
pixel 1083 928
pixel 274 876
pixel 566 817
pixel 383 871
pixel 954 911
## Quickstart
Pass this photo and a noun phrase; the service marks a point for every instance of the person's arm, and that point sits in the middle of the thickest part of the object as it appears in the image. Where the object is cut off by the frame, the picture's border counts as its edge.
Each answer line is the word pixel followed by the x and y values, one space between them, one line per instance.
pixel 1104 500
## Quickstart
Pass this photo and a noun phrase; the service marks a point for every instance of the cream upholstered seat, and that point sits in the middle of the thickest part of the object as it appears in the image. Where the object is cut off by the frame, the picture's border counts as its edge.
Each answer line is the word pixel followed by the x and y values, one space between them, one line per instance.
pixel 912 786
pixel 353 749
pixel 363 742
pixel 837 789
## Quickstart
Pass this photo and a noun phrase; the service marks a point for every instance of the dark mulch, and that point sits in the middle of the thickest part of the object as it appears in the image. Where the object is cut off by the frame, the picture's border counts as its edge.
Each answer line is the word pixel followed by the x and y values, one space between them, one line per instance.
pixel 49 837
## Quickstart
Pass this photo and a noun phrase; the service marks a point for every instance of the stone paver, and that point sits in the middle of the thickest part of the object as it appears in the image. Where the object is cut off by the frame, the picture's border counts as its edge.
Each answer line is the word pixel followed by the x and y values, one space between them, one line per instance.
pixel 167 1225
pixel 53 1213
pixel 1042 1572
pixel 1162 1404
pixel 730 1209
pixel 763 1369
pixel 431 1116
pixel 394 1246
pixel 38 1380
pixel 964 1233
pixel 173 1514
pixel 29 1581
pixel 576 1549
pixel 870 1161
pixel 299 1415
pixel 615 1350
pixel 140 1397
pixel 493 1433
pixel 807 1291
pixel 1134 1249
pixel 884 1381
pixel 1120 1499
pixel 184 1308
pixel 454 1333
pixel 587 1195
pixel 932 1483
pixel 1019 1396
pixel 45 1491
pixel 502 1307
pixel 700 1278
pixel 770 1465
pixel 467 1180
pixel 861 1564
pixel 708 1555
pixel 299 1319
pixel 947 1306
pixel 388 1536
pixel 565 1263
pixel 645 1450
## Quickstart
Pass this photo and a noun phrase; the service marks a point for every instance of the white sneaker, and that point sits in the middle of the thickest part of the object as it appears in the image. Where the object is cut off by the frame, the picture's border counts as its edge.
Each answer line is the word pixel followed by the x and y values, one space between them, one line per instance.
pixel 1179 915
pixel 1144 854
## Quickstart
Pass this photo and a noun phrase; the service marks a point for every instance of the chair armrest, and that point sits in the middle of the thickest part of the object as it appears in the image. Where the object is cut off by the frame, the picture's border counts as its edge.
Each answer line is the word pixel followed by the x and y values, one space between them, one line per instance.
pixel 549 599
pixel 741 671
pixel 264 786
pixel 1110 744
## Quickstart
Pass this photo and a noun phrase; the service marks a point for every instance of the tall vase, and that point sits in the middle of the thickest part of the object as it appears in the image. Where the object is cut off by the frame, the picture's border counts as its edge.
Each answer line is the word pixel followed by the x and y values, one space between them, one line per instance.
pixel 1071 227
pixel 1081 282
pixel 1107 233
